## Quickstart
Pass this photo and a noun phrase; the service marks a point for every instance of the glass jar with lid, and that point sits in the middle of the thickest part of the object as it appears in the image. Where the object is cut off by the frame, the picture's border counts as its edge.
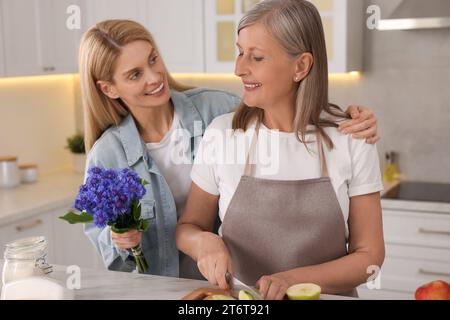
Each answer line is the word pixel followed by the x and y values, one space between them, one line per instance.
pixel 25 258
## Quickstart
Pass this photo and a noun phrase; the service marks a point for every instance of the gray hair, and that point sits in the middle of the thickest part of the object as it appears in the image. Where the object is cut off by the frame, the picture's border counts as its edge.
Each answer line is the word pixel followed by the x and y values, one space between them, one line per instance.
pixel 297 26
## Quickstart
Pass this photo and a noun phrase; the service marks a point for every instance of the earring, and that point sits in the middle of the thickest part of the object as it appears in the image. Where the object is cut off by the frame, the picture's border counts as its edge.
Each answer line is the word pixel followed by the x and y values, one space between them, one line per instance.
pixel 296 79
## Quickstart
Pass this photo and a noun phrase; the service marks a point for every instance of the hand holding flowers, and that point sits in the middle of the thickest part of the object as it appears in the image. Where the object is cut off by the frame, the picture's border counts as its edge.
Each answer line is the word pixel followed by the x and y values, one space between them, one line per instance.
pixel 112 197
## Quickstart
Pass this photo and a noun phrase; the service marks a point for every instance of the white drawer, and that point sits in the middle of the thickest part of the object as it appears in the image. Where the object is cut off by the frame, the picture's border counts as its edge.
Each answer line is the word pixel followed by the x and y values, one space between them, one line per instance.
pixel 424 229
pixel 377 294
pixel 417 252
pixel 74 247
pixel 401 274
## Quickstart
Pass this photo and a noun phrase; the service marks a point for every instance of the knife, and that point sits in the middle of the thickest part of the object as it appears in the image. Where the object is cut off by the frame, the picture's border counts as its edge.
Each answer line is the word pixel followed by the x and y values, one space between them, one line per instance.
pixel 239 285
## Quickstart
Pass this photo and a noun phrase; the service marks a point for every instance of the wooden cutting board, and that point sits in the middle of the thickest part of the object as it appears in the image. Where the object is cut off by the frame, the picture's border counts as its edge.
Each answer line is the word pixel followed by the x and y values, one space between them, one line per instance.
pixel 203 293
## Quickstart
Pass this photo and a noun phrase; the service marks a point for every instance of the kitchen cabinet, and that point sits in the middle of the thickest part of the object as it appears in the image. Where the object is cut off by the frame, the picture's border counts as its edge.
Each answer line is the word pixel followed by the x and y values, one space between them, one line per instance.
pixel 59 43
pixel 178 33
pixel 73 247
pixel 21 40
pixel 343 24
pixel 417 252
pixel 2 56
pixel 194 36
pixel 221 21
pixel 67 244
pixel 100 10
pixel 42 43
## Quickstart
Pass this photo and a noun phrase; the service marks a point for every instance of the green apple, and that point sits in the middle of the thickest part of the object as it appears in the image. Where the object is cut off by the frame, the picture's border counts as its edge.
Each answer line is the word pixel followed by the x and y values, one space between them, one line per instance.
pixel 245 295
pixel 220 297
pixel 304 291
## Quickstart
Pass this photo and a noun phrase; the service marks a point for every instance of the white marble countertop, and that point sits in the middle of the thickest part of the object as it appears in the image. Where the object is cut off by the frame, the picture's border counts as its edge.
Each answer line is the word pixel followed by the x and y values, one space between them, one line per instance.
pixel 113 285
pixel 49 192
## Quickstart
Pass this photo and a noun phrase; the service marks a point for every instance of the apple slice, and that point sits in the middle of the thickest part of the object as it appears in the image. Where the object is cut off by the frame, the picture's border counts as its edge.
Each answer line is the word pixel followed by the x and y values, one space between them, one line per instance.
pixel 304 291
pixel 245 295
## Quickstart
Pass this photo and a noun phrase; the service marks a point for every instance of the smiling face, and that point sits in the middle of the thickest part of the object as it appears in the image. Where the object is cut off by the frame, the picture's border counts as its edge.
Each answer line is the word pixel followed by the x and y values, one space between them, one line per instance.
pixel 140 77
pixel 267 71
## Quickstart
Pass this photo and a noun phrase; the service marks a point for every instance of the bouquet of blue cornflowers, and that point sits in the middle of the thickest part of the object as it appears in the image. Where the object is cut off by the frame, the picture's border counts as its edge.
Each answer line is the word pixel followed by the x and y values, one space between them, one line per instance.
pixel 112 197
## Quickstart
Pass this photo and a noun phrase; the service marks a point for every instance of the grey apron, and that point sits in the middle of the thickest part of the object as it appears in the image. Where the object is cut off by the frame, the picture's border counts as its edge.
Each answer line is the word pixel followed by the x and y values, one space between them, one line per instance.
pixel 275 225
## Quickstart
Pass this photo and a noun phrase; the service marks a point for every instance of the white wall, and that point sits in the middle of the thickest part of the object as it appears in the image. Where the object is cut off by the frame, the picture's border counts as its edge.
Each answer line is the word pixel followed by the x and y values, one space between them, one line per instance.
pixel 36 116
pixel 406 80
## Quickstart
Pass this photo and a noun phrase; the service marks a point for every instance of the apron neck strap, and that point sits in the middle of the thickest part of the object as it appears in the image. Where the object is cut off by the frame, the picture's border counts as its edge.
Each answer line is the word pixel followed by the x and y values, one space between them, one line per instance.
pixel 323 162
pixel 248 166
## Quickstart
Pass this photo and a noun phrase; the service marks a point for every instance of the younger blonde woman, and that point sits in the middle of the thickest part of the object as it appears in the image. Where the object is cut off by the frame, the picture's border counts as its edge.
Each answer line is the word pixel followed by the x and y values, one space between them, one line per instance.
pixel 290 222
pixel 134 112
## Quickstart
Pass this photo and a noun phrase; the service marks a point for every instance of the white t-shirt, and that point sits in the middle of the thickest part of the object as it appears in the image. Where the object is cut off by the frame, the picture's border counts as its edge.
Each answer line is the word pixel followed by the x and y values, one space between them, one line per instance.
pixel 353 165
pixel 176 169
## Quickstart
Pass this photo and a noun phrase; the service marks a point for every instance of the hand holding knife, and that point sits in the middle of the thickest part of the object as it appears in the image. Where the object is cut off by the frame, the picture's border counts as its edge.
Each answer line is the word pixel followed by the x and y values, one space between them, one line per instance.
pixel 236 285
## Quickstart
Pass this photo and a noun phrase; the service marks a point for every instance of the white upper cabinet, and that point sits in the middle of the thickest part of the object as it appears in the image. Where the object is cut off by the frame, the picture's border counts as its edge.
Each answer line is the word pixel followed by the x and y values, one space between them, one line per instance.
pixel 61 24
pixel 221 21
pixel 343 24
pixel 41 43
pixel 177 27
pixel 99 10
pixel 193 35
pixel 2 56
pixel 21 37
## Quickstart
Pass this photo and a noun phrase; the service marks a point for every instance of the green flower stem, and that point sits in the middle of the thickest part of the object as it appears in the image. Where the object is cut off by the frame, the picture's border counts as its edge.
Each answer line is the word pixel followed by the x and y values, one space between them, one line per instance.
pixel 141 263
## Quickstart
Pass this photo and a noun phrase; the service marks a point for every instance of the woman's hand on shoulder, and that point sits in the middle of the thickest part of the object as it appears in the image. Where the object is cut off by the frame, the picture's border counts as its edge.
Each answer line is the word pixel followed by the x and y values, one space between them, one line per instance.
pixel 363 124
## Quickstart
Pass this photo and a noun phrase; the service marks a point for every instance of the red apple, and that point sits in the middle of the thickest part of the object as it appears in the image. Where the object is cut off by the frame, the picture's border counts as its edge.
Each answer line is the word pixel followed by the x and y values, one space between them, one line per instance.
pixel 435 290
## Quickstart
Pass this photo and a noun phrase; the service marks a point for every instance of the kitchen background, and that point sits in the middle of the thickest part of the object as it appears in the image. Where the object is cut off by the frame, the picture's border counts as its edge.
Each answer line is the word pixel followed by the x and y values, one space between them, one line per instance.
pixel 403 75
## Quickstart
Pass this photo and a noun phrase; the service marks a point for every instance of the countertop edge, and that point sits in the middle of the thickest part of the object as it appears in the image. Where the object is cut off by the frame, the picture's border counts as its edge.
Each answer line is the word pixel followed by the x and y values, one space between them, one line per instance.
pixel 27 213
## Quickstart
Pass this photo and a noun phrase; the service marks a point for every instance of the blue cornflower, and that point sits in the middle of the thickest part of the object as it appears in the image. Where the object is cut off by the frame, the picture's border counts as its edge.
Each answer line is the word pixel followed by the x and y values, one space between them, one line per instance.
pixel 109 193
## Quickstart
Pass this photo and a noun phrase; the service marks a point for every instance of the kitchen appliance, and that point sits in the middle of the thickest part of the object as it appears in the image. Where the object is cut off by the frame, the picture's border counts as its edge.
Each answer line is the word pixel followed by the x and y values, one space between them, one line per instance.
pixel 418 14
pixel 419 191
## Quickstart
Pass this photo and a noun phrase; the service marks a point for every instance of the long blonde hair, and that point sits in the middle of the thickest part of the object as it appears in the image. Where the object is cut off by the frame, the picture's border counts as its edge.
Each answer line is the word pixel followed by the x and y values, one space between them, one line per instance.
pixel 297 27
pixel 100 46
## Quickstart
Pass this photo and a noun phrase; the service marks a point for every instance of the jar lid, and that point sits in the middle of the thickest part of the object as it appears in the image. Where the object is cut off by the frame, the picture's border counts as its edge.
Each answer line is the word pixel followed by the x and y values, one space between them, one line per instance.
pixel 28 166
pixel 8 159
pixel 28 248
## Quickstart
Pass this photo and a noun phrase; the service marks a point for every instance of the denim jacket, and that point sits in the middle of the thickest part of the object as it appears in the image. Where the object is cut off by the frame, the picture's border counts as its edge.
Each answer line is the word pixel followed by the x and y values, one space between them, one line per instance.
pixel 121 146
